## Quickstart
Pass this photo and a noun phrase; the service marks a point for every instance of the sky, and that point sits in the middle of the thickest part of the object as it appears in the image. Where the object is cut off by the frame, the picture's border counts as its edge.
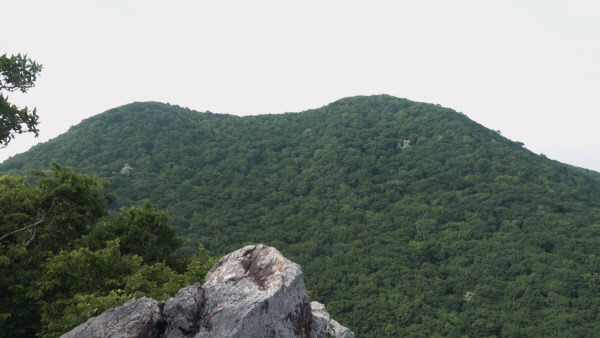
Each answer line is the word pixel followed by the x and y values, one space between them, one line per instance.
pixel 530 69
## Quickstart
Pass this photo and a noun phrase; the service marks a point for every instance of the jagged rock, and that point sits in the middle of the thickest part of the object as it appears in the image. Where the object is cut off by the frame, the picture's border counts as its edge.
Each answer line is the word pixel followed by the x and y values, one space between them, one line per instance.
pixel 252 292
pixel 136 318
pixel 249 290
pixel 182 313
pixel 324 325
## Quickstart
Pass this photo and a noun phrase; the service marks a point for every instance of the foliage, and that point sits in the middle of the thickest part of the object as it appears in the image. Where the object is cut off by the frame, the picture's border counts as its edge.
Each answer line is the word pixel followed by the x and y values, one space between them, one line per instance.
pixel 35 223
pixel 63 261
pixel 96 280
pixel 16 73
pixel 457 232
pixel 142 231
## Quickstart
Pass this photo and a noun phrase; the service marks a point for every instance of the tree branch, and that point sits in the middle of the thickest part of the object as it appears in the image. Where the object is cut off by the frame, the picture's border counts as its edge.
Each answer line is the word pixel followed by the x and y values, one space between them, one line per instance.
pixel 42 220
pixel 32 237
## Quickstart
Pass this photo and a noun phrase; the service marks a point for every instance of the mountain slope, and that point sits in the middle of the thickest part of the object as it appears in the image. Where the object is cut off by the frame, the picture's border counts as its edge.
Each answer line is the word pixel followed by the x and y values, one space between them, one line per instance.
pixel 407 218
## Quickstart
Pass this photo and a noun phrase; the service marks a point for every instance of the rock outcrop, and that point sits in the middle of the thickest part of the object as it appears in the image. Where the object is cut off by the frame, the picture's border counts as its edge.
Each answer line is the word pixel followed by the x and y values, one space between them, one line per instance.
pixel 252 292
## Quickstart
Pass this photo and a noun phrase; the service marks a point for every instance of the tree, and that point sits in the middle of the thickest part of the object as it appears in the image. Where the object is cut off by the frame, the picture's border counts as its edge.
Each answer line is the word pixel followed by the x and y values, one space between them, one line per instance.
pixel 64 203
pixel 62 260
pixel 17 73
pixel 37 222
pixel 82 283
pixel 141 230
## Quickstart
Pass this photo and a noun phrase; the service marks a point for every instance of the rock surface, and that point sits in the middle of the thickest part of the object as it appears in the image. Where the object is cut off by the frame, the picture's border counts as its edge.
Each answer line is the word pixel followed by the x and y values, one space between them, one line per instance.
pixel 252 292
pixel 323 323
pixel 136 318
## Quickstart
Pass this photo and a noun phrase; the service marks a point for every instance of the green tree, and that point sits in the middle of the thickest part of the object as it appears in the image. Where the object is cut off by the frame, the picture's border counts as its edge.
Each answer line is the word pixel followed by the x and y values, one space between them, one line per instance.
pixel 56 211
pixel 17 73
pixel 141 230
pixel 62 261
pixel 81 283
pixel 36 222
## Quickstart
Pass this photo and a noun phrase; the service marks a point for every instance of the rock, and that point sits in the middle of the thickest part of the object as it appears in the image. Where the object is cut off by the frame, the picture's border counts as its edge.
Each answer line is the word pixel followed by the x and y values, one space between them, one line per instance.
pixel 324 325
pixel 252 292
pixel 136 318
pixel 182 313
pixel 404 144
pixel 126 170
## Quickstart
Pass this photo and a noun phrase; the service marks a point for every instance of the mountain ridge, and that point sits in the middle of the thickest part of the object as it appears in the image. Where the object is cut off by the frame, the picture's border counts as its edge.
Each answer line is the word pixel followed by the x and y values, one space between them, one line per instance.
pixel 408 218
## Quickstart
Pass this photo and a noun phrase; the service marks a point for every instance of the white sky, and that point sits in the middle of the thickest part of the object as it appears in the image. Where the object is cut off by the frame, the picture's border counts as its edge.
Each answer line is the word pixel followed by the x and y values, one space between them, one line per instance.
pixel 528 68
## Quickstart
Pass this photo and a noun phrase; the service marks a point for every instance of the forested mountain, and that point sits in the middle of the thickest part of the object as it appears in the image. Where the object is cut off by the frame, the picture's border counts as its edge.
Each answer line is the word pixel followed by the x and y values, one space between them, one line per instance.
pixel 407 218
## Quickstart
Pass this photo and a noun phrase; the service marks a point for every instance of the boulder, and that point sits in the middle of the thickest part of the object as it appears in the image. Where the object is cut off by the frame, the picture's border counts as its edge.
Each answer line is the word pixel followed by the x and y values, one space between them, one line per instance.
pixel 136 318
pixel 252 292
pixel 257 292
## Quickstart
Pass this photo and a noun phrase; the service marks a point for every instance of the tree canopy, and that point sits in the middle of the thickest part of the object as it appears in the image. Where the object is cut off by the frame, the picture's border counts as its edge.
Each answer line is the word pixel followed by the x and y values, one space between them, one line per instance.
pixel 17 73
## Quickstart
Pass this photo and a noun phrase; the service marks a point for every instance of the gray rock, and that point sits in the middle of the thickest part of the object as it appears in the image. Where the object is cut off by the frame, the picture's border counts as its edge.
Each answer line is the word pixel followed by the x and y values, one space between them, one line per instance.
pixel 136 318
pixel 182 313
pixel 256 292
pixel 252 292
pixel 323 325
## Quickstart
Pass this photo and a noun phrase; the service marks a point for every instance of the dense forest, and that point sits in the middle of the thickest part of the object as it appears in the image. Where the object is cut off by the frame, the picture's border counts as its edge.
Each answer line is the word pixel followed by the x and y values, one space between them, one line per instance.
pixel 408 219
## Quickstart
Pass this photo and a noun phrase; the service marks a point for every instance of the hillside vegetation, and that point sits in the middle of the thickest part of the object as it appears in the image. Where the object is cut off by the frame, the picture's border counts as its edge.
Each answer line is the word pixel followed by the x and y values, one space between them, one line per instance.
pixel 407 218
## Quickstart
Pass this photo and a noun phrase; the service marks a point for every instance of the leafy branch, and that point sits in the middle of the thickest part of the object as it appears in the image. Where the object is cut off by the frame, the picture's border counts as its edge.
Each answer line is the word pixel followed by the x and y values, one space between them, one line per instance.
pixel 17 72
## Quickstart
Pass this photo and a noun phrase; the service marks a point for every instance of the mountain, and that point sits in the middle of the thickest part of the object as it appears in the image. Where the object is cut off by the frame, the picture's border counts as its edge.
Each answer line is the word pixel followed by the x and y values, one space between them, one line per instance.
pixel 407 218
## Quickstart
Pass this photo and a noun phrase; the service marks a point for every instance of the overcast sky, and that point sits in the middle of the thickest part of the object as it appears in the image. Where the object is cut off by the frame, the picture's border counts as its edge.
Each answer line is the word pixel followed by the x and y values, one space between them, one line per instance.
pixel 528 68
